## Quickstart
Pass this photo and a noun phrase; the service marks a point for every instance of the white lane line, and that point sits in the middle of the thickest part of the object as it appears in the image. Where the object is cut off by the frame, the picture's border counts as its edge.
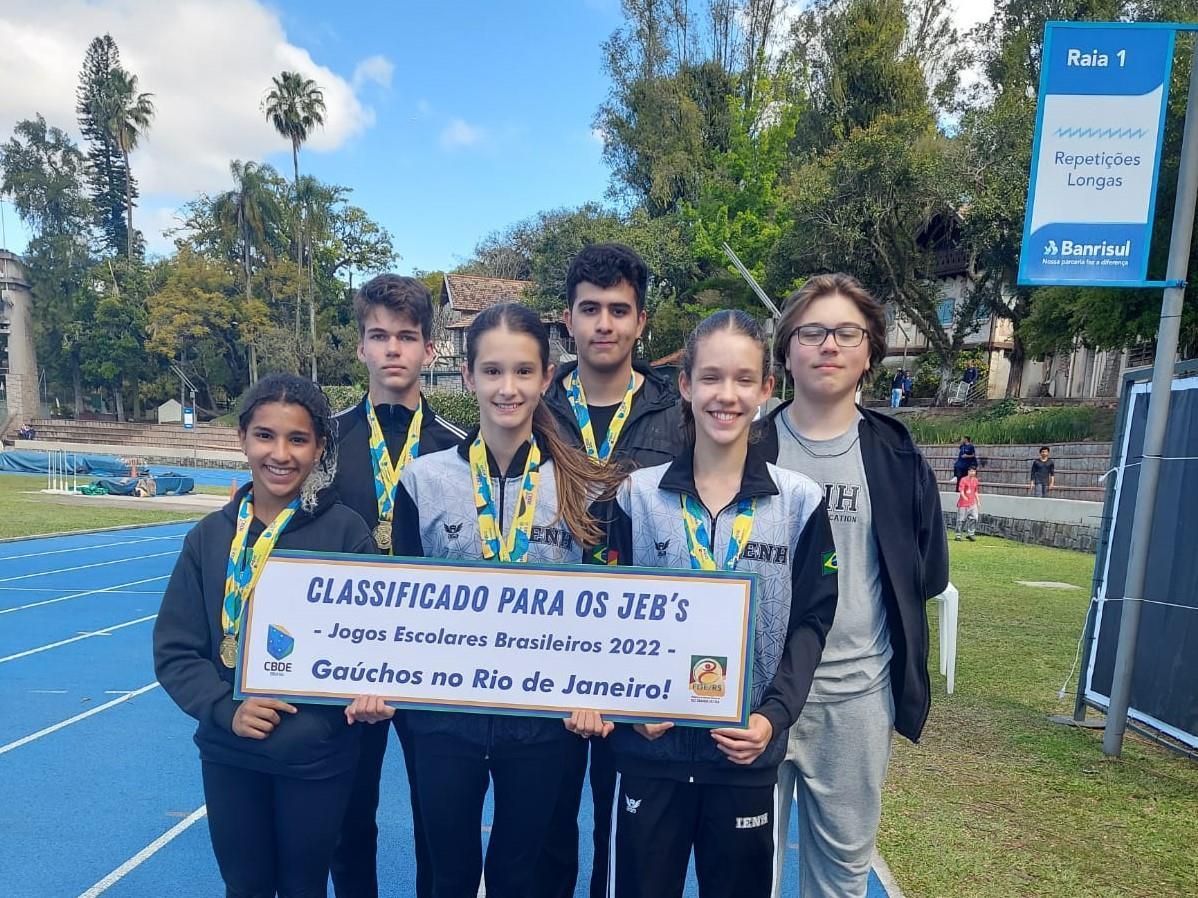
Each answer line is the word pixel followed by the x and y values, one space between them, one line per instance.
pixel 126 542
pixel 25 740
pixel 119 587
pixel 142 856
pixel 53 645
pixel 83 567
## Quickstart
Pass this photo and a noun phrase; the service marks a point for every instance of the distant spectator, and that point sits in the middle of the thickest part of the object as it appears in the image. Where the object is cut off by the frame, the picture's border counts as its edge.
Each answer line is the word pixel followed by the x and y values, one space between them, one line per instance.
pixel 967 457
pixel 971 374
pixel 896 388
pixel 908 385
pixel 969 504
pixel 1043 477
pixel 27 432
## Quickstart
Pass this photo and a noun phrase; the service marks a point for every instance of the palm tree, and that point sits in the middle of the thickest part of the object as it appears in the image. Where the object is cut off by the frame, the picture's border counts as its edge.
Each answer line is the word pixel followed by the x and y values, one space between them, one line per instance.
pixel 247 214
pixel 295 106
pixel 127 116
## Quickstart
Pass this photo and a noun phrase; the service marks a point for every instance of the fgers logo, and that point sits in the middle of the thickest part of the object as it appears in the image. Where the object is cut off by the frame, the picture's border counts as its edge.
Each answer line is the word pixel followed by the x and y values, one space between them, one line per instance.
pixel 707 675
pixel 279 644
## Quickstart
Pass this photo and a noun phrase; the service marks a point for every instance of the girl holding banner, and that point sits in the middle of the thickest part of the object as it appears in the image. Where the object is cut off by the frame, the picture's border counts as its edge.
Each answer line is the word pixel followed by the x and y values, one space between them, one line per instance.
pixel 511 491
pixel 276 776
pixel 721 504
pixel 884 505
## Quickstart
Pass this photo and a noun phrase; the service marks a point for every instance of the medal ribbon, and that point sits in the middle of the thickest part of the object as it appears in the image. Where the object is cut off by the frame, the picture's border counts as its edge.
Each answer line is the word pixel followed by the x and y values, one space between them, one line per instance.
pixel 515 547
pixel 697 538
pixel 242 573
pixel 578 401
pixel 386 474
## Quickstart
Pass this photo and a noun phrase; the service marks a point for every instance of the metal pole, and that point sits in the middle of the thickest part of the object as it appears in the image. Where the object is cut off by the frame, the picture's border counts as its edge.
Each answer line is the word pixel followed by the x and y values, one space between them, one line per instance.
pixel 1154 433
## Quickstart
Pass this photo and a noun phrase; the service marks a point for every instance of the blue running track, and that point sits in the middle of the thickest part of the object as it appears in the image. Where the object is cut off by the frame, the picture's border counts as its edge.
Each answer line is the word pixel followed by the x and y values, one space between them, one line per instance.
pixel 99 779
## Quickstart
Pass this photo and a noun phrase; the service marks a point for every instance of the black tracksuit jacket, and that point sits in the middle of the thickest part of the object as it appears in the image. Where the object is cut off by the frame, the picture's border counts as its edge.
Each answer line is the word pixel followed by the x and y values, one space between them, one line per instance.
pixel 912 550
pixel 652 435
pixel 355 472
pixel 313 743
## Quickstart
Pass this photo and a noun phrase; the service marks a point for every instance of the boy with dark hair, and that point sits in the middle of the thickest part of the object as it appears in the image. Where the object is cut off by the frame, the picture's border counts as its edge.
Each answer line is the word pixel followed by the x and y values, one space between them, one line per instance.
pixel 375 439
pixel 1044 474
pixel 620 411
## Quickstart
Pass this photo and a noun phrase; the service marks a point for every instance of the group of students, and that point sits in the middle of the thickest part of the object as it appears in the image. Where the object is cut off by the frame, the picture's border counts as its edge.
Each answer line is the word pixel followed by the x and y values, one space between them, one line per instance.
pixel 618 465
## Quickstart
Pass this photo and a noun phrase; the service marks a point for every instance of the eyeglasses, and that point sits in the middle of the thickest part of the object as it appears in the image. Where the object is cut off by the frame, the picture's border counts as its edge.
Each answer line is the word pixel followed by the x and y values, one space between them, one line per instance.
pixel 847 336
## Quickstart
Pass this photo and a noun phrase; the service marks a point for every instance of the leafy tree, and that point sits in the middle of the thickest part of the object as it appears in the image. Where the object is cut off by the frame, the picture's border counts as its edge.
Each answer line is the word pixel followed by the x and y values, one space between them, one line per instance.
pixel 42 171
pixel 245 215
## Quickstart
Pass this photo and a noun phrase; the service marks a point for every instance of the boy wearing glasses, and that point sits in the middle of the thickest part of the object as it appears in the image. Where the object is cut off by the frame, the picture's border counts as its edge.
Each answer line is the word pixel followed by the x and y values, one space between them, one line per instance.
pixel 891 556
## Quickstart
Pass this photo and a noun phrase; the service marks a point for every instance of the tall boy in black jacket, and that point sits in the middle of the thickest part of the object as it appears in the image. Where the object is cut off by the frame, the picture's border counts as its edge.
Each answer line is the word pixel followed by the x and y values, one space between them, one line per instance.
pixel 391 425
pixel 624 412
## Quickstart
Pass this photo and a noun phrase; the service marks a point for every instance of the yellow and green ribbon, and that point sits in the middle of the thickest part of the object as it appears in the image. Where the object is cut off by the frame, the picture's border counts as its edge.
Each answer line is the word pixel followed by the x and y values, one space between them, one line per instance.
pixel 515 547
pixel 386 473
pixel 245 564
pixel 577 397
pixel 698 538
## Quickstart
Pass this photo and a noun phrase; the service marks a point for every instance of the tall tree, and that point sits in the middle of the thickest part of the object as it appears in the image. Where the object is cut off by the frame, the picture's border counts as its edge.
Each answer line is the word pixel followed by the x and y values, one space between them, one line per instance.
pixel 128 115
pixel 295 107
pixel 247 213
pixel 112 188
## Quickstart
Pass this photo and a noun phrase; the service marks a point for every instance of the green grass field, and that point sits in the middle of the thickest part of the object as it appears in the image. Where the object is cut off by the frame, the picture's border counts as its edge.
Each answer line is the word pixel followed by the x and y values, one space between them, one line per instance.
pixel 997 801
pixel 25 512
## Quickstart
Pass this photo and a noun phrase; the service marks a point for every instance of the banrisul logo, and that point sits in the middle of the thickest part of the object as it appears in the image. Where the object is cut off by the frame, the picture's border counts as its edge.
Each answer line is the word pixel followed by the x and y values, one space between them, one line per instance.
pixel 279 643
pixel 1102 250
pixel 1051 248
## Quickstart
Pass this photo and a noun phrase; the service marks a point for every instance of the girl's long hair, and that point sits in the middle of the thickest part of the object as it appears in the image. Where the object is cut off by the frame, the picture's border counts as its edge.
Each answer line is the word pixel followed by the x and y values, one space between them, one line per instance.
pixel 580 479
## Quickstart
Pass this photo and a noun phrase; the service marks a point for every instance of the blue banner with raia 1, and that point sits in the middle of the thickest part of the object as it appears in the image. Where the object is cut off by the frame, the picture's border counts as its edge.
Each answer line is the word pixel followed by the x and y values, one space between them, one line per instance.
pixel 1096 155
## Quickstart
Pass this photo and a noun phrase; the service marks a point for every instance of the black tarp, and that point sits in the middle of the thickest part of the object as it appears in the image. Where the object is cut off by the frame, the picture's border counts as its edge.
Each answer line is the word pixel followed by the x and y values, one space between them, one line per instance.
pixel 1165 681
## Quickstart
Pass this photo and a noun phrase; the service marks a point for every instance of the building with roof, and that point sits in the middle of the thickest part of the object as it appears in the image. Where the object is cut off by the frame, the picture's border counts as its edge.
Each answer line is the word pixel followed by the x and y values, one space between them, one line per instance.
pixel 463 296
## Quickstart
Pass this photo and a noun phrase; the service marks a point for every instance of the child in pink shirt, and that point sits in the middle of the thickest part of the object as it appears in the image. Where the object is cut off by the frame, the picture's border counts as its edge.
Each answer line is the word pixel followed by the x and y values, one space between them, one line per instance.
pixel 969 505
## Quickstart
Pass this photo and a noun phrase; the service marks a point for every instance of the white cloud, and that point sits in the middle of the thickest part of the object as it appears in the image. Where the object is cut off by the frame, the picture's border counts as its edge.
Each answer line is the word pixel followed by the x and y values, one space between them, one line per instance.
pixel 968 13
pixel 460 133
pixel 423 106
pixel 208 64
pixel 376 69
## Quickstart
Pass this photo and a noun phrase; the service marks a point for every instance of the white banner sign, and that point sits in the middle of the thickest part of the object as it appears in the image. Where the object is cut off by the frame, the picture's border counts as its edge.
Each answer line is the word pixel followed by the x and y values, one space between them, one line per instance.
pixel 636 644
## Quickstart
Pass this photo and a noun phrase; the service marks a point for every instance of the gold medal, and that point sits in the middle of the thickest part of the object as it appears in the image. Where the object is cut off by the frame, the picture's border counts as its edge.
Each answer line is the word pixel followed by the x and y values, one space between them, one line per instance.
pixel 382 535
pixel 228 651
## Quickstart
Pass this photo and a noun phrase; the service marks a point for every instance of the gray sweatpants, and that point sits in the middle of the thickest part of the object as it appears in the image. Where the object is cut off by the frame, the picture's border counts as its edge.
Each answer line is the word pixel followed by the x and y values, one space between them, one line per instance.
pixel 835 765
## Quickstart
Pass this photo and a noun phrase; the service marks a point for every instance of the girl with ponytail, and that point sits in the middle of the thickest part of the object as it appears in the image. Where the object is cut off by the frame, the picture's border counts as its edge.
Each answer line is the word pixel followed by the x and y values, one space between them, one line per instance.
pixel 512 491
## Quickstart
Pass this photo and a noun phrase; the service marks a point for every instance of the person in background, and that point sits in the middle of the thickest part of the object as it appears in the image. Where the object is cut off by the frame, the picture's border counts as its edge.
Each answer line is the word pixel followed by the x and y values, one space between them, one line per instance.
pixel 1043 477
pixel 896 388
pixel 967 456
pixel 908 387
pixel 969 505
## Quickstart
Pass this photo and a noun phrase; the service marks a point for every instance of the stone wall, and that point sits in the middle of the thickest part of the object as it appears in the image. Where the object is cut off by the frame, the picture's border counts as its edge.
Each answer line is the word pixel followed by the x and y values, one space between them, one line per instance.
pixel 1060 535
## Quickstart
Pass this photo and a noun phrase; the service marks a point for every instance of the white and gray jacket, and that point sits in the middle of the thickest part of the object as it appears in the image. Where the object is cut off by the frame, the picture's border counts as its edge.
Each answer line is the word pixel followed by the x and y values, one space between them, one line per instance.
pixel 792 553
pixel 435 517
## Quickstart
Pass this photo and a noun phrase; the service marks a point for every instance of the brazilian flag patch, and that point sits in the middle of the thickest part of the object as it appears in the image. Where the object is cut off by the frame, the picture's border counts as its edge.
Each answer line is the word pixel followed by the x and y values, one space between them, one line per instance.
pixel 829 565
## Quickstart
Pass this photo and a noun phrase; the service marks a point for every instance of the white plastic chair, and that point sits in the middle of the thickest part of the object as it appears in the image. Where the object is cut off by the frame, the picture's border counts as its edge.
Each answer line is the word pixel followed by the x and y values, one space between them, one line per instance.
pixel 949 602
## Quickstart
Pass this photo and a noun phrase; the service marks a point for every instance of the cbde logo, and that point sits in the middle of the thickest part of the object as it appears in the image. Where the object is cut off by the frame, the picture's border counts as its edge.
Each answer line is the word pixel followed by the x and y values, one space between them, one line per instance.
pixel 279 644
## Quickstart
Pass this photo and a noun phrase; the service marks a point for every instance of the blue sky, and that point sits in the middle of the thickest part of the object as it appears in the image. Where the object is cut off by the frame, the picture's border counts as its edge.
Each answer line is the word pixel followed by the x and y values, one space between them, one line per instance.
pixel 453 120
